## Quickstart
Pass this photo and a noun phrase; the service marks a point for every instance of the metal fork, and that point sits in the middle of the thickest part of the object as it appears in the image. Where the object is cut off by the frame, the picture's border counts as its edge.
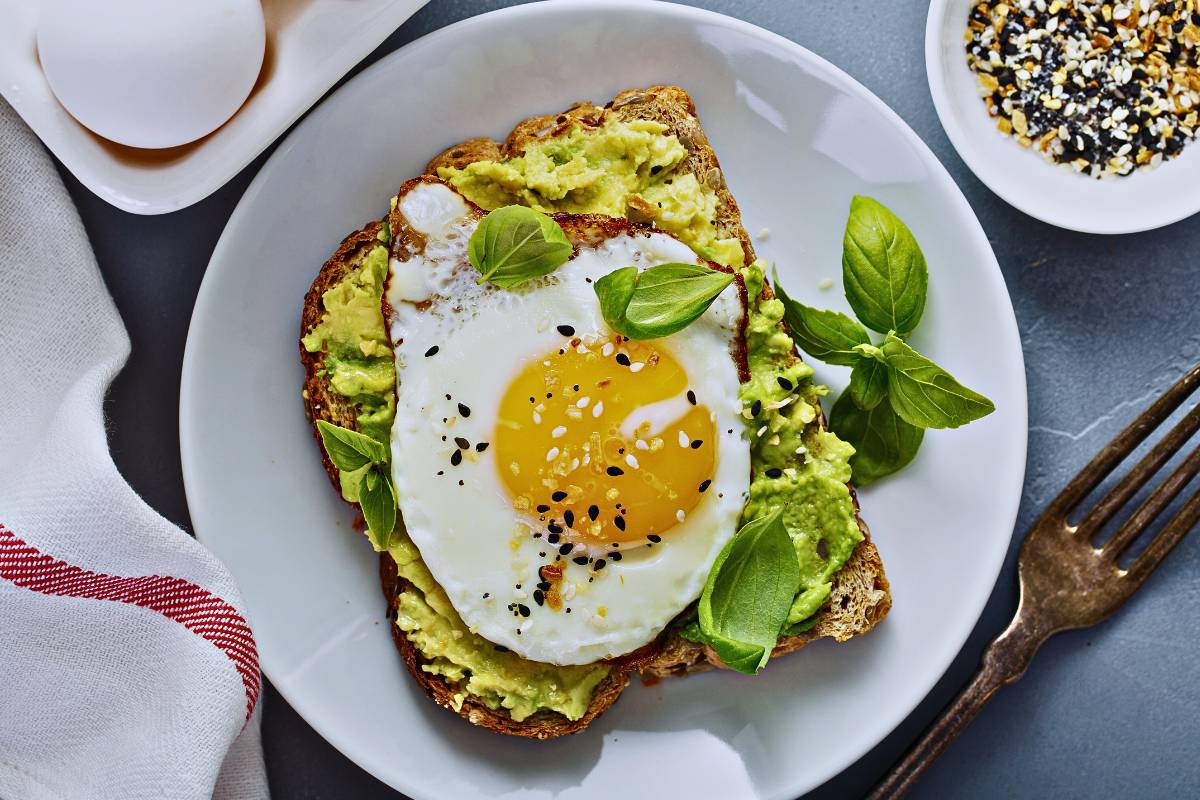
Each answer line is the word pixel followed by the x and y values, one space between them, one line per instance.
pixel 1066 581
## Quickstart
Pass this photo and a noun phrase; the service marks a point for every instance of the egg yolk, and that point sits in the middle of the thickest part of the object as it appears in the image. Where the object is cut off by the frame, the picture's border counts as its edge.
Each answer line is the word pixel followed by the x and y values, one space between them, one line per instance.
pixel 605 442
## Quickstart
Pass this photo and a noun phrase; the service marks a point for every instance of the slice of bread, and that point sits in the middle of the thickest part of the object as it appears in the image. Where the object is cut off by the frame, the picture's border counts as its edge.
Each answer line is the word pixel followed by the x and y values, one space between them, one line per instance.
pixel 860 597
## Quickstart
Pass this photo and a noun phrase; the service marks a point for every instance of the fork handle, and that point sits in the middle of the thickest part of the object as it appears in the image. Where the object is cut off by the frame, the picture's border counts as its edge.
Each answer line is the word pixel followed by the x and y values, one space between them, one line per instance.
pixel 1004 661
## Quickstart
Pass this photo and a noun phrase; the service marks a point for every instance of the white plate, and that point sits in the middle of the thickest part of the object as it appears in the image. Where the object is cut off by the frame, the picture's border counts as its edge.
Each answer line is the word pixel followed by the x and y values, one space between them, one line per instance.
pixel 797 138
pixel 1149 198
pixel 310 45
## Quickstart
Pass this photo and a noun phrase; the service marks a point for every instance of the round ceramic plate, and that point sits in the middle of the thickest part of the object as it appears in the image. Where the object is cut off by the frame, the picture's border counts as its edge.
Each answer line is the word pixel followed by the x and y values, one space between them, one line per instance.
pixel 797 138
pixel 1149 198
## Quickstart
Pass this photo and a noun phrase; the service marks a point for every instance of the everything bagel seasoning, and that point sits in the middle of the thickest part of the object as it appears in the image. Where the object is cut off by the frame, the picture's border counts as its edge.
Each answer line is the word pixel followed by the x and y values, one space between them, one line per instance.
pixel 1101 87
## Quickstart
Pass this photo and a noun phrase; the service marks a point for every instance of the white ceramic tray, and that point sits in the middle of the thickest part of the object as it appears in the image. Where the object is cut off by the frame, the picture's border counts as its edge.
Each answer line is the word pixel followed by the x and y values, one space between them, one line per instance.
pixel 310 45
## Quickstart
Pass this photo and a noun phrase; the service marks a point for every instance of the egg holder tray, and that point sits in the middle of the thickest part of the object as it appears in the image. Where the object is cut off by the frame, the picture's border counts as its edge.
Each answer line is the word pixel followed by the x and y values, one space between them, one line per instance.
pixel 311 44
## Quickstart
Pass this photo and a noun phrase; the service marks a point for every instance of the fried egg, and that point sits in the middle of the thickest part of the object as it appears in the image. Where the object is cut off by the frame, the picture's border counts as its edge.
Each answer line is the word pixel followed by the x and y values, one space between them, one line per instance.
pixel 569 489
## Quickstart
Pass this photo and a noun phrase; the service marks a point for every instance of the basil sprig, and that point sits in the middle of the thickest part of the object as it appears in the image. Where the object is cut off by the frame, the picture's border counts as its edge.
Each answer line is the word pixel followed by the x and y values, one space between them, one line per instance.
pixel 886 282
pixel 364 462
pixel 658 301
pixel 748 594
pixel 515 244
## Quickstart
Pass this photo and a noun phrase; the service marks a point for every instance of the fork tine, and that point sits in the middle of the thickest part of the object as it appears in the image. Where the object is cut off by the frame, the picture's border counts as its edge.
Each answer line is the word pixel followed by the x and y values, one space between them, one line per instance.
pixel 1154 505
pixel 1119 448
pixel 1165 542
pixel 1150 464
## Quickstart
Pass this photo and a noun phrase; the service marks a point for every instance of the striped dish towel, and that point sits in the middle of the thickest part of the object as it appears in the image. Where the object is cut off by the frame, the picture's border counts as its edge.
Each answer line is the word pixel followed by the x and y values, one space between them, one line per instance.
pixel 127 669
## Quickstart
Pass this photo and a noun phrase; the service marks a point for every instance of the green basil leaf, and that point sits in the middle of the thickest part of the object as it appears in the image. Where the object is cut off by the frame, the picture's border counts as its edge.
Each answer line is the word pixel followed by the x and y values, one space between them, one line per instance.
pixel 748 593
pixel 883 268
pixel 868 383
pixel 377 499
pixel 350 450
pixel 924 394
pixel 514 244
pixel 658 301
pixel 883 443
pixel 826 335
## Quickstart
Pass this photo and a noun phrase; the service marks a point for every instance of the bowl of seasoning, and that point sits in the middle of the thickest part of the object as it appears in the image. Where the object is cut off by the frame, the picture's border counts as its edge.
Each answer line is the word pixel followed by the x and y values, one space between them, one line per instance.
pixel 1081 113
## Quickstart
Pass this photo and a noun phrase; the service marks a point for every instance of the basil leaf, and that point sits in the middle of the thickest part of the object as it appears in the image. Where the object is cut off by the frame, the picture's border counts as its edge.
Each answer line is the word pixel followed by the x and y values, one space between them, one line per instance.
pixel 883 268
pixel 748 593
pixel 826 335
pixel 883 443
pixel 924 394
pixel 377 499
pixel 658 301
pixel 868 383
pixel 514 244
pixel 350 450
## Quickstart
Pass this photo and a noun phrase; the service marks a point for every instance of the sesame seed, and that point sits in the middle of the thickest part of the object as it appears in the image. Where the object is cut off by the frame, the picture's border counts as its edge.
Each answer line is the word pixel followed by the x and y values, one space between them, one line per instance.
pixel 679 515
pixel 431 351
pixel 569 518
pixel 619 521
pixel 684 439
pixel 464 410
pixel 607 349
pixel 691 396
pixel 523 609
pixel 598 409
pixel 559 496
pixel 614 556
pixel 756 408
pixel 456 458
pixel 462 443
pixel 566 549
pixel 539 597
pixel 553 538
pixel 599 565
pixel 615 471
pixel 552 453
pixel 784 383
pixel 566 330
pixel 631 461
pixel 581 560
pixel 696 443
pixel 558 432
pixel 555 529
pixel 636 366
pixel 542 509
pixel 704 484
pixel 654 537
pixel 481 446
pixel 774 472
pixel 593 512
pixel 623 359
pixel 583 402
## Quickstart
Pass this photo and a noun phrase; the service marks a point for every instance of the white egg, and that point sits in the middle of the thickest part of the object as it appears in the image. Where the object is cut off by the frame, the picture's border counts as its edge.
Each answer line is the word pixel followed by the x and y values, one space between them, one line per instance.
pixel 151 74
pixel 659 429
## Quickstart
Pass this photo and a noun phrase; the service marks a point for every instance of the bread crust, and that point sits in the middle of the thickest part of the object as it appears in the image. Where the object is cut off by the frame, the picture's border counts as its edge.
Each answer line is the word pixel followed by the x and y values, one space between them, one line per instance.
pixel 860 597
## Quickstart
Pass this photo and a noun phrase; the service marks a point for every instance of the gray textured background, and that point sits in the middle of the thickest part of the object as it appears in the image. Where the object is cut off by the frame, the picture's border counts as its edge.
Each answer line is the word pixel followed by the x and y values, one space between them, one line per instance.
pixel 1106 323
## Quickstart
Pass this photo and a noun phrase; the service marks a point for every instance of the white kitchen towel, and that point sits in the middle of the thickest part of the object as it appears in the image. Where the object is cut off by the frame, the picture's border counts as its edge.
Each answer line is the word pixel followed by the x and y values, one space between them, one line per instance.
pixel 127 669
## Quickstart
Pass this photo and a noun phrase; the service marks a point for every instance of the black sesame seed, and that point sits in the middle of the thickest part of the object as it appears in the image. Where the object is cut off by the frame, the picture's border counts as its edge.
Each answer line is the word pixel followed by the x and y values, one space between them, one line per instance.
pixel 553 538
pixel 566 549
pixel 441 472
pixel 464 410
pixel 566 330
pixel 654 537
pixel 568 610
pixel 462 443
pixel 486 595
pixel 569 518
pixel 615 471
pixel 523 609
pixel 614 556
pixel 696 443
pixel 691 396
pixel 704 484
pixel 539 597
pixel 481 446
pixel 462 483
pixel 431 351
pixel 599 565
pixel 619 522
pixel 593 512
pixel 456 458
pixel 542 509
pixel 623 359
pixel 544 585
pixel 755 408
pixel 580 560
pixel 784 383
pixel 501 649
pixel 774 472
pixel 558 496
pixel 554 527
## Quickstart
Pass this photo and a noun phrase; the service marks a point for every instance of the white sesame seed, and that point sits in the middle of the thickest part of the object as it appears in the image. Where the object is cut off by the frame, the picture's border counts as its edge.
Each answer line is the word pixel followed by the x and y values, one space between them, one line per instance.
pixel 826 283
pixel 598 409
pixel 631 461
pixel 583 402
pixel 684 439
pixel 552 453
pixel 607 349
pixel 679 515
pixel 636 366
pixel 640 444
pixel 537 418
pixel 558 432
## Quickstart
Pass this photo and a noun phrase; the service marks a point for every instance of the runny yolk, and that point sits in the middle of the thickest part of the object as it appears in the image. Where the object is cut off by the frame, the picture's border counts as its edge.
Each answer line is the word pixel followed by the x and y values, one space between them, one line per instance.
pixel 605 442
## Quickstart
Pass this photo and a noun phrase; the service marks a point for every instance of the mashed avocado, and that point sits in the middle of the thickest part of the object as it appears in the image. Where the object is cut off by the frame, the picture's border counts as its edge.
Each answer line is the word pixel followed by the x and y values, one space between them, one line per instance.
pixel 622 169
pixel 498 677
pixel 358 360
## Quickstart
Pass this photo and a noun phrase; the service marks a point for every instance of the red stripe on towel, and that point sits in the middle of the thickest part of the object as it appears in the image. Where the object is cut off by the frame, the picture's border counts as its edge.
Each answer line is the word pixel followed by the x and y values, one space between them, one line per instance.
pixel 196 609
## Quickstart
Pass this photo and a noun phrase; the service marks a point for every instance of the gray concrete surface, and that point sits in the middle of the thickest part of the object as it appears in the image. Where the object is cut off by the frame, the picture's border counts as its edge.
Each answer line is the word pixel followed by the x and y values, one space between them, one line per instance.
pixel 1106 323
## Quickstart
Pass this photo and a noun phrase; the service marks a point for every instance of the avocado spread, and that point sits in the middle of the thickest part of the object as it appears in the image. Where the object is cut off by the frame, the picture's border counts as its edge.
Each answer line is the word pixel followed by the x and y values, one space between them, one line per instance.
pixel 603 171
pixel 621 169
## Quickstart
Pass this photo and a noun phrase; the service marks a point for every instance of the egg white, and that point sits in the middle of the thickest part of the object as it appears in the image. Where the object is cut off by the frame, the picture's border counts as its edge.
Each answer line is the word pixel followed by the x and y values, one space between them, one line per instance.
pixel 469 535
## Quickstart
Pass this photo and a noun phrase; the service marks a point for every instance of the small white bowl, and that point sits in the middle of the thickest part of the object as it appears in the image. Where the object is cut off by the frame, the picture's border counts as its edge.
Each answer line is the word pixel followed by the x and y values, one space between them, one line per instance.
pixel 1147 199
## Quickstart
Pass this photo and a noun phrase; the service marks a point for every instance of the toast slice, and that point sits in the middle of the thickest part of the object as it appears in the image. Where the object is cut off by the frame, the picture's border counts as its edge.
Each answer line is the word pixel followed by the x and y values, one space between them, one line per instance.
pixel 860 597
